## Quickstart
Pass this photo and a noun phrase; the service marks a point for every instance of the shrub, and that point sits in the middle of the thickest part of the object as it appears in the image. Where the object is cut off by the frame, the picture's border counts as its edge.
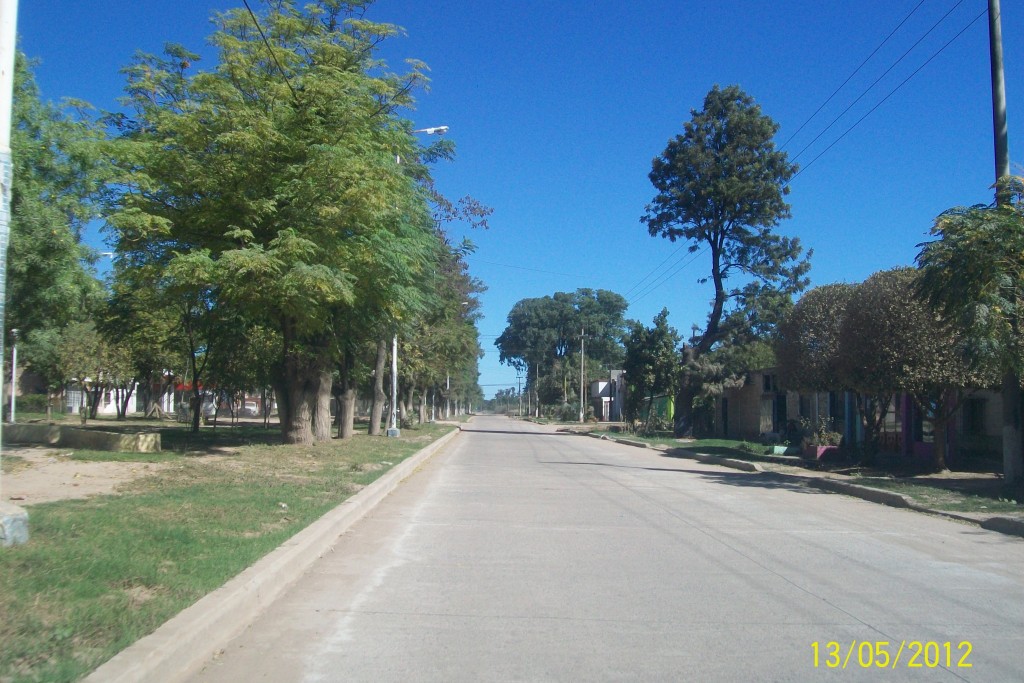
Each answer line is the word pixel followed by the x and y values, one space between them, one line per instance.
pixel 32 403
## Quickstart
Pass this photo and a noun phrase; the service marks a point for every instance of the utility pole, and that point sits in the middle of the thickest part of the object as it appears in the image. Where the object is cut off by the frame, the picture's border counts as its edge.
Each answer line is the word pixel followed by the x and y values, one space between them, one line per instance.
pixel 999 127
pixel 1011 393
pixel 519 384
pixel 13 519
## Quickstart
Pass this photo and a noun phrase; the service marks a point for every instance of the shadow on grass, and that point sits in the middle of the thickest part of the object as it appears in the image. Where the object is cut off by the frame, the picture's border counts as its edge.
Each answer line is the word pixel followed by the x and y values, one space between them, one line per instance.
pixel 183 439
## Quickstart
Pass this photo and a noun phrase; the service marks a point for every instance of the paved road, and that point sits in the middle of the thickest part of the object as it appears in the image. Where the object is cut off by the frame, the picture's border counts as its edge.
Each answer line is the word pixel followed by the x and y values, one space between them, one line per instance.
pixel 520 554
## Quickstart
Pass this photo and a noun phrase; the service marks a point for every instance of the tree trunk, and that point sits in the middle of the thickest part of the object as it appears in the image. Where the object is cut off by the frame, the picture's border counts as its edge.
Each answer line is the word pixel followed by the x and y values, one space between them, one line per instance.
pixel 197 408
pixel 939 434
pixel 122 408
pixel 95 405
pixel 298 393
pixel 683 421
pixel 406 404
pixel 423 406
pixel 322 407
pixel 377 409
pixel 346 396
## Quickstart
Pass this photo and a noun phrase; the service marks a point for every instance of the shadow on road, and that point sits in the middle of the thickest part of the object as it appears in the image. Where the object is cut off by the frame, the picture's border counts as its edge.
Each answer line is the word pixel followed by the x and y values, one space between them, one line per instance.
pixel 507 431
pixel 608 464
pixel 764 480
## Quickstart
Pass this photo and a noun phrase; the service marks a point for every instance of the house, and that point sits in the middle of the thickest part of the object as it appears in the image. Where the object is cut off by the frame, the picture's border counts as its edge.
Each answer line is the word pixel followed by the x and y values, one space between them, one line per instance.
pixel 761 411
pixel 608 397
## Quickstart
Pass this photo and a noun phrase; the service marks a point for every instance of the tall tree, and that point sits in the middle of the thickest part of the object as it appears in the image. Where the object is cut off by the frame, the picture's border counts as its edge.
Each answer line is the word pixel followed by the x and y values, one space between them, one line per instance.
pixel 721 186
pixel 58 177
pixel 270 186
pixel 973 272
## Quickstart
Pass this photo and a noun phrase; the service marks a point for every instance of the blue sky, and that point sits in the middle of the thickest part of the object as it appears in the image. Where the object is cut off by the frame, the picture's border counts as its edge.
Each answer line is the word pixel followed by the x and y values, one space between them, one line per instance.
pixel 557 108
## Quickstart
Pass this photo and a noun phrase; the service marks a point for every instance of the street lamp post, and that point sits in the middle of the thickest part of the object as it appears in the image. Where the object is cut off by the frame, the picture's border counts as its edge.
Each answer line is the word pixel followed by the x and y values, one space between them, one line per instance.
pixel 14 370
pixel 393 429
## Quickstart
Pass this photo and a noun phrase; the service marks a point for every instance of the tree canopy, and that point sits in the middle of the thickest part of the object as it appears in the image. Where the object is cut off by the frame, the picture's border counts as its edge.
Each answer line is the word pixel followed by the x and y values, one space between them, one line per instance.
pixel 973 272
pixel 282 186
pixel 58 180
pixel 543 337
pixel 807 345
pixel 651 363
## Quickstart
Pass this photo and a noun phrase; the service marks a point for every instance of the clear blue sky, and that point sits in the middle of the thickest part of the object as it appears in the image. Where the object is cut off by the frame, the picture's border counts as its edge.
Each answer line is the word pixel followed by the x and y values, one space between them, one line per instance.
pixel 558 107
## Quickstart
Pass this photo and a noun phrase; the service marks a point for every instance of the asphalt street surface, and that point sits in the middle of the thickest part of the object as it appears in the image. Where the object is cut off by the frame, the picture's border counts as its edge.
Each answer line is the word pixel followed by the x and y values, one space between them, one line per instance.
pixel 520 554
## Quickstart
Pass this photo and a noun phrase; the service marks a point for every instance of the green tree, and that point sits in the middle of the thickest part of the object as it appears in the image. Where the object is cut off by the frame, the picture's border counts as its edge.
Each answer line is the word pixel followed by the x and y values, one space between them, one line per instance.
pixel 973 272
pixel 721 186
pixel 140 321
pixel 807 343
pixel 542 338
pixel 269 186
pixel 651 364
pixel 58 177
pixel 892 342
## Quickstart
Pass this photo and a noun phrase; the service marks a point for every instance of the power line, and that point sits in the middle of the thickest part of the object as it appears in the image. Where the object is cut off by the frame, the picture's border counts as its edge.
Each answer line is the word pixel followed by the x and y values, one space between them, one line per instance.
pixel 664 278
pixel 855 72
pixel 668 276
pixel 656 269
pixel 534 270
pixel 873 84
pixel 891 93
pixel 271 50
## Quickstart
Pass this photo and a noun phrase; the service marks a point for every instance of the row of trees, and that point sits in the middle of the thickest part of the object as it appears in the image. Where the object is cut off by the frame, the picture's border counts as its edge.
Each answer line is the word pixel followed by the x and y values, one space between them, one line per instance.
pixel 273 219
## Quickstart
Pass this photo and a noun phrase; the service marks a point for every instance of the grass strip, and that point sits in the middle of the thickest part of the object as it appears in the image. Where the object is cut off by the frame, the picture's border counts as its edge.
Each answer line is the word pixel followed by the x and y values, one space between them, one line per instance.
pixel 98 574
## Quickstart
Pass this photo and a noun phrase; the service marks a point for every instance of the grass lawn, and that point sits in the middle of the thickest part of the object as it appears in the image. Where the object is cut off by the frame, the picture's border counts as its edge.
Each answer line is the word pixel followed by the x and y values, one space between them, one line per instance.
pixel 100 573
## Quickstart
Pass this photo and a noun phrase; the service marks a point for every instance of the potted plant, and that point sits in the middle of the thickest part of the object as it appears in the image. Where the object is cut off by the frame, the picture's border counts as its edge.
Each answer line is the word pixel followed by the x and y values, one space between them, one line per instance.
pixel 821 440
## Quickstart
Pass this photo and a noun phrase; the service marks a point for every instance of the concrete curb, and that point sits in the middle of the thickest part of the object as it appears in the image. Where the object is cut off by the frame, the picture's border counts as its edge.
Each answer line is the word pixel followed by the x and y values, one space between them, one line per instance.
pixel 630 442
pixel 889 498
pixel 741 465
pixel 1004 525
pixel 180 647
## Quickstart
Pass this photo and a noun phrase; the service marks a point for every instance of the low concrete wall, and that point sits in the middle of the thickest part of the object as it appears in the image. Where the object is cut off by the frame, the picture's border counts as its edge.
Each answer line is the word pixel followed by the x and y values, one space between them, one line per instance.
pixel 74 437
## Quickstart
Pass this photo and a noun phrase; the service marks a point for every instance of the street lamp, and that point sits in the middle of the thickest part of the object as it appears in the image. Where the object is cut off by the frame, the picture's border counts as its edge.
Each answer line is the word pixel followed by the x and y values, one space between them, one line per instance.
pixel 393 429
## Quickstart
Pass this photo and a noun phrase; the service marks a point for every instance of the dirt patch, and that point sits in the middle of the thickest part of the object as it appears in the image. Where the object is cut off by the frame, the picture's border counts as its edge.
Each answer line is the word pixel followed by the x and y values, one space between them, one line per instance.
pixel 43 475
